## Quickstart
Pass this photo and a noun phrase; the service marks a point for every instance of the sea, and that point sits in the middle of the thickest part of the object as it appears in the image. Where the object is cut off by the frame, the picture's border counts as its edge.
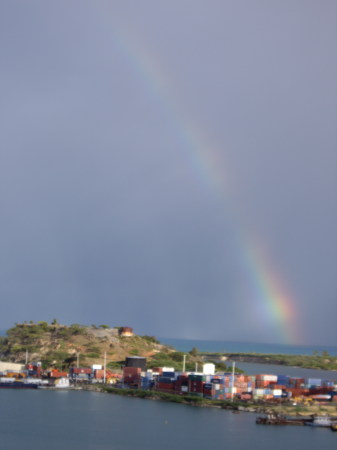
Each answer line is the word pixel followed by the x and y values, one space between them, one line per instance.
pixel 54 420
pixel 185 345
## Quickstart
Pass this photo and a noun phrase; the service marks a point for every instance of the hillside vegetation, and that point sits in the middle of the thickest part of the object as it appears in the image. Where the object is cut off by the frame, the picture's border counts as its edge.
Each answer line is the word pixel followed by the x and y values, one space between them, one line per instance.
pixel 59 346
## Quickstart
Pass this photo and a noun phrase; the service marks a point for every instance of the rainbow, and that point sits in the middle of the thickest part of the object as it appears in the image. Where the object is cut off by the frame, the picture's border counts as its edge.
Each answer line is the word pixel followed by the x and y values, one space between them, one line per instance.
pixel 271 299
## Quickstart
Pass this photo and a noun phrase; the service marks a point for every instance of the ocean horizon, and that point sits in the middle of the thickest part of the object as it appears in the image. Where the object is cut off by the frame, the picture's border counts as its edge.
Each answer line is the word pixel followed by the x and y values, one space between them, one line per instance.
pixel 185 345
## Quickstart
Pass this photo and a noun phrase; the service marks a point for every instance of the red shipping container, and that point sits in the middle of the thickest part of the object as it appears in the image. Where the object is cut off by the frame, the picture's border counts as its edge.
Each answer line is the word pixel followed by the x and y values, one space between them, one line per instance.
pixel 209 392
pixel 99 373
pixel 183 377
pixel 296 392
pixel 196 388
pixel 79 370
pixel 165 385
pixel 134 370
pixel 198 384
pixel 131 377
pixel 57 374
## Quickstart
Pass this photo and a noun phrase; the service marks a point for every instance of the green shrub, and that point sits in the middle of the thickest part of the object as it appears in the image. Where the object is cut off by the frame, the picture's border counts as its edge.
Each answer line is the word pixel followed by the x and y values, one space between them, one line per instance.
pixel 93 348
pixel 43 326
pixel 151 339
pixel 134 352
pixel 75 328
pixel 93 355
pixel 115 364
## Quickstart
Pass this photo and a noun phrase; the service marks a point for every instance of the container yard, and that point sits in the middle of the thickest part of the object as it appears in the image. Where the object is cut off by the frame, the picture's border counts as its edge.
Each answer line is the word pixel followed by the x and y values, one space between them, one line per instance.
pixel 206 384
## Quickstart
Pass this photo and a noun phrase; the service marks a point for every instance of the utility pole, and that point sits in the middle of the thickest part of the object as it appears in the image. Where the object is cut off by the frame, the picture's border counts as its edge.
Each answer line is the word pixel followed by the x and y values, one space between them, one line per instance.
pixel 26 356
pixel 104 373
pixel 184 362
pixel 78 360
pixel 196 367
pixel 233 375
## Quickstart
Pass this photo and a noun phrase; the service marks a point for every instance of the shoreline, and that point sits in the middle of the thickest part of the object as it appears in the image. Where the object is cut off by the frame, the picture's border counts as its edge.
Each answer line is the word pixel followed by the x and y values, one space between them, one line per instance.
pixel 297 411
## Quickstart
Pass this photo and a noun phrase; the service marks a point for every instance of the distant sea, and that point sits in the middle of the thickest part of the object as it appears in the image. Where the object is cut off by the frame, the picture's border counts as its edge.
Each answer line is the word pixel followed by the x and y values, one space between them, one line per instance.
pixel 185 345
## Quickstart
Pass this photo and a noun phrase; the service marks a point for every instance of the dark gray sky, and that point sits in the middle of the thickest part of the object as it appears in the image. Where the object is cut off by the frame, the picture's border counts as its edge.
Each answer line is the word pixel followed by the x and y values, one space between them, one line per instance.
pixel 146 145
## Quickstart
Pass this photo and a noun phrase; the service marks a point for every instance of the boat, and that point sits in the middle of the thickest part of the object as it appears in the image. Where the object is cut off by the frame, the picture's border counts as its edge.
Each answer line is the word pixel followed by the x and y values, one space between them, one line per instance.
pixel 17 385
pixel 334 427
pixel 60 383
pixel 275 419
pixel 321 421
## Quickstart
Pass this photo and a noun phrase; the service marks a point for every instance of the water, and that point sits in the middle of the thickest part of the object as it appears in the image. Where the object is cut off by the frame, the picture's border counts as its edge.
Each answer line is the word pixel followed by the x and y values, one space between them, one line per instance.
pixel 53 420
pixel 273 369
pixel 185 345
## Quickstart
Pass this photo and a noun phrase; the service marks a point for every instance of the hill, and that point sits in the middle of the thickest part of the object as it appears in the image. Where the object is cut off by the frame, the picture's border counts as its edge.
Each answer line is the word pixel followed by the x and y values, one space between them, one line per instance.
pixel 58 345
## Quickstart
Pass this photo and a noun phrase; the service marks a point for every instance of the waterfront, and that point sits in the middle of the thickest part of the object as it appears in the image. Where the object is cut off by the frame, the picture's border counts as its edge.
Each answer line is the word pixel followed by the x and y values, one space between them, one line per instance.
pixel 185 345
pixel 93 421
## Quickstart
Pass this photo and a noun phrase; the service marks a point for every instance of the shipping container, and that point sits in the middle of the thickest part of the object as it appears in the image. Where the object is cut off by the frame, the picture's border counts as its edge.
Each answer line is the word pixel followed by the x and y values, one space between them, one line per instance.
pixel 168 374
pixel 270 378
pixel 314 381
pixel 277 392
pixel 165 380
pixel 81 370
pixel 132 370
pixel 258 392
pixel 197 377
pixel 208 369
pixel 321 397
pixel 57 374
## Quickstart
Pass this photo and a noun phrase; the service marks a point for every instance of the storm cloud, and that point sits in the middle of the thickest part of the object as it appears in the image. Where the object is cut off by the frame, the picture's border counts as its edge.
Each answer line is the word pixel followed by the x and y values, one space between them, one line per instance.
pixel 108 213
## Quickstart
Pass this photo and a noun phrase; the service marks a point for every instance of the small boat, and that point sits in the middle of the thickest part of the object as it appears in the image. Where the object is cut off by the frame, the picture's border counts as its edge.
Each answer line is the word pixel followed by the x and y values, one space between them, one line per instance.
pixel 17 385
pixel 275 419
pixel 320 421
pixel 334 426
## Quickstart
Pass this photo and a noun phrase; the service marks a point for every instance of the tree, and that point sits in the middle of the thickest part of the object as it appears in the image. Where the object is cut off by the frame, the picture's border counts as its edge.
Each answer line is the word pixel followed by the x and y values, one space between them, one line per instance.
pixel 194 351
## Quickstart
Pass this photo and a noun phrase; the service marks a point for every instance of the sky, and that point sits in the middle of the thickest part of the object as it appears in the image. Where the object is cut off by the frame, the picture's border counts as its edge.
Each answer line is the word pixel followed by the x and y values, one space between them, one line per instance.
pixel 170 166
